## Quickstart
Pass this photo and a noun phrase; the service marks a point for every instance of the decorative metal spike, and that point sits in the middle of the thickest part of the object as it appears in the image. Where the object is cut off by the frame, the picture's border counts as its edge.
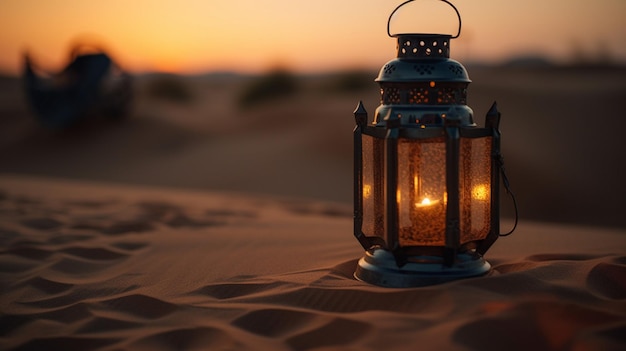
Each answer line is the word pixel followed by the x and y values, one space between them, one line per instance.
pixel 360 114
pixel 492 119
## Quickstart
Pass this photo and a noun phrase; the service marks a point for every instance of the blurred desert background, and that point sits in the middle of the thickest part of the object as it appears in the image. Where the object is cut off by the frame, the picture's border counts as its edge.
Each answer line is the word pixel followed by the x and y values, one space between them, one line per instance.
pixel 263 104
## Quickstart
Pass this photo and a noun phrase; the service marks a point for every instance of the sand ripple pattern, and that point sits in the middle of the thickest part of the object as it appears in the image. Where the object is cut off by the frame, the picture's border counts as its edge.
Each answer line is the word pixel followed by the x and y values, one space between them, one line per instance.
pixel 514 309
pixel 61 264
pixel 74 277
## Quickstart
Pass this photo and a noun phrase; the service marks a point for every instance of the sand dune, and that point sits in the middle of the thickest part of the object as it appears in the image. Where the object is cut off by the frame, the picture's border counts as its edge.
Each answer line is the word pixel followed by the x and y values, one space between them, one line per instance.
pixel 562 140
pixel 92 266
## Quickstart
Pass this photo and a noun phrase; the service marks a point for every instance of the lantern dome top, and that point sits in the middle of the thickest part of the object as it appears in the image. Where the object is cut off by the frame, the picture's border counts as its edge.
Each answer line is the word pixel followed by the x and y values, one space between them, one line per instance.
pixel 423 56
pixel 422 83
pixel 401 70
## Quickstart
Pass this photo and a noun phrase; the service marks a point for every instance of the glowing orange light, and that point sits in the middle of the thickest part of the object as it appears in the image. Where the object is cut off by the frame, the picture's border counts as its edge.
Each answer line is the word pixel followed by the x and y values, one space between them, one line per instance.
pixel 367 190
pixel 426 202
pixel 480 192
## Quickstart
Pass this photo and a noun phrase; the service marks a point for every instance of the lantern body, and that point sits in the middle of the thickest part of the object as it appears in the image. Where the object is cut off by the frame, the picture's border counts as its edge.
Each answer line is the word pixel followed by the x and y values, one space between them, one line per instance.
pixel 426 180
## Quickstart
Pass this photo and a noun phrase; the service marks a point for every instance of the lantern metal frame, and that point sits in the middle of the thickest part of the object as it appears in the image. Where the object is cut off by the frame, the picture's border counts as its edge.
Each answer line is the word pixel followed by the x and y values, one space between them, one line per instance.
pixel 428 109
pixel 386 262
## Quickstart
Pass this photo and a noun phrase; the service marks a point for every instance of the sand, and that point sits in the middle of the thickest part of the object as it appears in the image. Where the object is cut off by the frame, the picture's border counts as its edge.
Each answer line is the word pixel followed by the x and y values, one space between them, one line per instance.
pixel 101 266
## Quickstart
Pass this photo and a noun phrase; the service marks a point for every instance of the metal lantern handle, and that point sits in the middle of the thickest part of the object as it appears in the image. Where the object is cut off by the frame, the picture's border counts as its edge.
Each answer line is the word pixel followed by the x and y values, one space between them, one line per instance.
pixel 406 2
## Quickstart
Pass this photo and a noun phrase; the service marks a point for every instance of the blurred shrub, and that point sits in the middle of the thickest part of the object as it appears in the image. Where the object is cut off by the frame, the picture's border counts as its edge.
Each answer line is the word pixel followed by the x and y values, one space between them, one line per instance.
pixel 271 86
pixel 170 87
pixel 350 81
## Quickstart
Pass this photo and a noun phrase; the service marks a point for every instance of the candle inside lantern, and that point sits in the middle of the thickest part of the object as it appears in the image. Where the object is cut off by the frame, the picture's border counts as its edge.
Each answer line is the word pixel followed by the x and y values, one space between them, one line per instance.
pixel 424 222
pixel 426 202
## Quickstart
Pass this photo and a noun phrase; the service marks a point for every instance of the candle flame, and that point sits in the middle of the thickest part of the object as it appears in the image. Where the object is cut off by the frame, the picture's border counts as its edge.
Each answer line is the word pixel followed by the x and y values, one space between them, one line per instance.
pixel 426 202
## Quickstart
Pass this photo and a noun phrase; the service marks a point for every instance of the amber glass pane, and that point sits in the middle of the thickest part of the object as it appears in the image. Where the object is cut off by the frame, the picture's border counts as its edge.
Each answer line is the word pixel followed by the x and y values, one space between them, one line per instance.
pixel 421 194
pixel 475 188
pixel 373 186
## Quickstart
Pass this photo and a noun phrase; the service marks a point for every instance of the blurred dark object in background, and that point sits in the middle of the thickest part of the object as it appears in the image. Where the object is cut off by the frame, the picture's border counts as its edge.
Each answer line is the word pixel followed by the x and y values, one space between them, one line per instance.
pixel 91 85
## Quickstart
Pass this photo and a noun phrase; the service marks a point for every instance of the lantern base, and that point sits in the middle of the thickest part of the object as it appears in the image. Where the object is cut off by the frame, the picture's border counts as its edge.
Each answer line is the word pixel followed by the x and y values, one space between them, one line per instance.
pixel 379 267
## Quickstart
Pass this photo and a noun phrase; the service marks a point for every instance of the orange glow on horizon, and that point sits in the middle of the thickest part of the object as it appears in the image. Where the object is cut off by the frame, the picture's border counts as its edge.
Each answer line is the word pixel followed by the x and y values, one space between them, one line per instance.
pixel 193 36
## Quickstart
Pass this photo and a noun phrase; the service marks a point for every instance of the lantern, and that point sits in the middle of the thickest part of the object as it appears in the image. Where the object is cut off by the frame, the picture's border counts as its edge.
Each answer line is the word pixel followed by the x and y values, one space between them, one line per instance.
pixel 426 177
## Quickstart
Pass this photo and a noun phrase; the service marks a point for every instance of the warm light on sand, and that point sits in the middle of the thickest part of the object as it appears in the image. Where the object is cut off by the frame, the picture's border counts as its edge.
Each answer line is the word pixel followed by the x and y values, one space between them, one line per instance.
pixel 193 36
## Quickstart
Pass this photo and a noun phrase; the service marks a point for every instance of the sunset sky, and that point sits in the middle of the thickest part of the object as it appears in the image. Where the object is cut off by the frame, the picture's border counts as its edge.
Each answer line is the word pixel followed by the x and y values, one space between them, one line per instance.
pixel 191 36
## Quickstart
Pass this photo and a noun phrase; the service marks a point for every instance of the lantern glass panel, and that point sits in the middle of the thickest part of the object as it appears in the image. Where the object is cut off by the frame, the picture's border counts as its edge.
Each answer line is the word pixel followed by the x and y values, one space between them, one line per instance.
pixel 421 194
pixel 475 188
pixel 373 192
